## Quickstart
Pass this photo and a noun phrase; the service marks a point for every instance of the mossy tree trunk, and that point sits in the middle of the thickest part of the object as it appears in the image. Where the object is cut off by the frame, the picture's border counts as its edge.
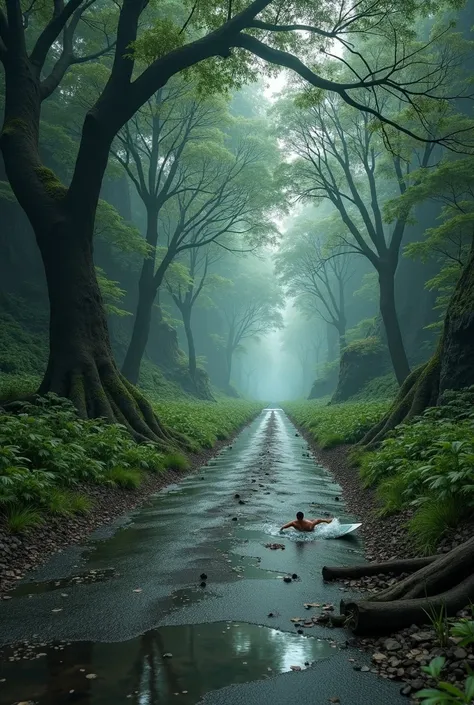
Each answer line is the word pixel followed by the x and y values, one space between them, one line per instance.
pixel 451 366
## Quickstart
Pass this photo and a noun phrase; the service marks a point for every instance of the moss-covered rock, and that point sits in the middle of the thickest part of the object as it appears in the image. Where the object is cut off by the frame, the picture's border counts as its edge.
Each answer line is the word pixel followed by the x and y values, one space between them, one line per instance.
pixel 361 362
pixel 325 384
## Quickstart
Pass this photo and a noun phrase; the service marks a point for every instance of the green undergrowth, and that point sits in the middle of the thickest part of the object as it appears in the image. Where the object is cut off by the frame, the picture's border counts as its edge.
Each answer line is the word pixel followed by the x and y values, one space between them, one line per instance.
pixel 206 422
pixel 427 465
pixel 336 424
pixel 48 454
pixel 378 389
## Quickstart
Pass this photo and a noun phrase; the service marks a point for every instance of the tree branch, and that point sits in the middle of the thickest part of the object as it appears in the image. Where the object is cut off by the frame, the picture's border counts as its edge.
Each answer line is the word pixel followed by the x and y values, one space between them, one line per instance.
pixel 51 32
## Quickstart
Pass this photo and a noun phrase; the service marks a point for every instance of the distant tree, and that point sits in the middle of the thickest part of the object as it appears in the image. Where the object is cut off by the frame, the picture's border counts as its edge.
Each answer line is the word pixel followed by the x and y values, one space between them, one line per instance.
pixel 316 273
pixel 250 308
pixel 198 188
pixel 199 283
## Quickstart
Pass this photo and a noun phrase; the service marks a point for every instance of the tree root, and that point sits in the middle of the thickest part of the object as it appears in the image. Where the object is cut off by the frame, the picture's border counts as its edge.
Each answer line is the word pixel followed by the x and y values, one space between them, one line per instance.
pixel 443 582
pixel 370 617
pixel 98 390
pixel 419 391
pixel 353 572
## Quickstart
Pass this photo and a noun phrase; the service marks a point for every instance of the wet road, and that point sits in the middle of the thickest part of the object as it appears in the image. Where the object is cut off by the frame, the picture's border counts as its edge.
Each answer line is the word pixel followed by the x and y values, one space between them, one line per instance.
pixel 125 618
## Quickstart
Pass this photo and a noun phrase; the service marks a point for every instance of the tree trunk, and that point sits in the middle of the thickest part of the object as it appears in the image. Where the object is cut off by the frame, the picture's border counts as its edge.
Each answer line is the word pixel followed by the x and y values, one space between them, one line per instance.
pixel 228 359
pixel 392 327
pixel 141 328
pixel 190 339
pixel 147 289
pixel 331 343
pixel 81 365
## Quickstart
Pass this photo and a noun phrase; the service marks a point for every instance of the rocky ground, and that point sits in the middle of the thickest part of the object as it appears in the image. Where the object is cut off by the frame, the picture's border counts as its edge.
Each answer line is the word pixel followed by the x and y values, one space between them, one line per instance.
pixel 402 655
pixel 20 553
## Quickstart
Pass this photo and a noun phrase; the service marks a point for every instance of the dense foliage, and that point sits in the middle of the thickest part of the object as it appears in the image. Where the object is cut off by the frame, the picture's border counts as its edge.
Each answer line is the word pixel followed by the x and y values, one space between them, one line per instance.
pixel 428 465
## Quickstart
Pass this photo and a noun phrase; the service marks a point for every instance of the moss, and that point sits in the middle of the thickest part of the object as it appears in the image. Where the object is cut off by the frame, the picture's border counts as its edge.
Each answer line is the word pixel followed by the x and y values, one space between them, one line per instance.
pixel 14 125
pixel 54 188
pixel 367 346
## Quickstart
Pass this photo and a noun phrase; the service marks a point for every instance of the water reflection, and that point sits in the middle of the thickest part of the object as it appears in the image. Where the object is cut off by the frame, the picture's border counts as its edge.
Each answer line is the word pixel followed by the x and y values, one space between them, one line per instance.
pixel 186 661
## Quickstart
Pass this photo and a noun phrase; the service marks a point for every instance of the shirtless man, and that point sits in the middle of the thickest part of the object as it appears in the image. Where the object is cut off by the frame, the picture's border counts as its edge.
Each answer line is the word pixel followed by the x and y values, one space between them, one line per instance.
pixel 302 524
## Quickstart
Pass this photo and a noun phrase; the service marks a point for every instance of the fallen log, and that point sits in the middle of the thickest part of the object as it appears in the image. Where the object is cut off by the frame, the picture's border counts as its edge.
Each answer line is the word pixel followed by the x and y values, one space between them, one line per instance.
pixel 353 572
pixel 375 617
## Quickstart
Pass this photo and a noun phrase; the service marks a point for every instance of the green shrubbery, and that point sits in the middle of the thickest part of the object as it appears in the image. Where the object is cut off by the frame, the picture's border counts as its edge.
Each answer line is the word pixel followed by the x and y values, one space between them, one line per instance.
pixel 337 424
pixel 428 464
pixel 47 453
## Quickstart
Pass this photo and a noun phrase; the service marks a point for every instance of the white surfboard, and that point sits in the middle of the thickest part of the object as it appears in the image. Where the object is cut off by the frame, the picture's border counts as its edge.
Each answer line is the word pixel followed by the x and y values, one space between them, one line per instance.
pixel 346 529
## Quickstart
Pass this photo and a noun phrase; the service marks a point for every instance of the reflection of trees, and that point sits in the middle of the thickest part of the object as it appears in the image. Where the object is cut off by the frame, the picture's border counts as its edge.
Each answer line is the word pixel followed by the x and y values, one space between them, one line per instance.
pixel 64 673
pixel 204 659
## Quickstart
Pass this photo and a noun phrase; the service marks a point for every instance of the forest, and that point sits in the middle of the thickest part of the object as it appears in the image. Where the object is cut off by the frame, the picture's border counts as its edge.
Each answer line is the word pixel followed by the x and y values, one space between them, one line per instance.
pixel 237 248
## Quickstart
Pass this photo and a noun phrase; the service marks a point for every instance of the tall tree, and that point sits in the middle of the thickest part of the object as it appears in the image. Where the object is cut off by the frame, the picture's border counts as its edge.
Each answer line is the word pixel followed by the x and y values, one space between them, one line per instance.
pixel 37 48
pixel 344 160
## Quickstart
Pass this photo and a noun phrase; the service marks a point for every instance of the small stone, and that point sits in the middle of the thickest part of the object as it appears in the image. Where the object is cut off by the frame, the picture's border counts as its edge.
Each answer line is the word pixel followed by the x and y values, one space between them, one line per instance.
pixel 203 576
pixel 167 655
pixel 295 668
pixel 365 669
pixel 392 645
pixel 91 676
pixel 237 496
pixel 378 657
pixel 234 518
pixel 459 654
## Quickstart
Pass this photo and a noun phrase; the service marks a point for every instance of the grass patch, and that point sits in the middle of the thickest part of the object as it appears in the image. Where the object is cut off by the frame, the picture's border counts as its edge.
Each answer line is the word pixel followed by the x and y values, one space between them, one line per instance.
pixel 175 461
pixel 336 424
pixel 66 503
pixel 124 477
pixel 432 520
pixel 19 519
pixel 47 452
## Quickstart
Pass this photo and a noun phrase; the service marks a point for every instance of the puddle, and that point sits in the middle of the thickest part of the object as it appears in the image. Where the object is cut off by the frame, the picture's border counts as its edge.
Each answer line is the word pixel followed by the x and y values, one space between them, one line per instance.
pixel 203 658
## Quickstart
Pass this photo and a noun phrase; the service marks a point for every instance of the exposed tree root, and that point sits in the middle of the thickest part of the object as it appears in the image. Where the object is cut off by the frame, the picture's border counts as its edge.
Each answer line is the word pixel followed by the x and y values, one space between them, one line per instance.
pixel 419 391
pixel 98 390
pixel 353 572
pixel 367 617
pixel 443 582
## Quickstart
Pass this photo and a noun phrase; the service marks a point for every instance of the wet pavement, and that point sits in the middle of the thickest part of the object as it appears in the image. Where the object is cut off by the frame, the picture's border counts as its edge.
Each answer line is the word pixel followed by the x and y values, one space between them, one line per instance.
pixel 126 617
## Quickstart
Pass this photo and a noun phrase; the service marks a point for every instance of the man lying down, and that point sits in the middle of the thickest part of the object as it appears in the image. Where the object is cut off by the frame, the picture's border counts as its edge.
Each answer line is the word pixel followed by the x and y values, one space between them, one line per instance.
pixel 302 524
